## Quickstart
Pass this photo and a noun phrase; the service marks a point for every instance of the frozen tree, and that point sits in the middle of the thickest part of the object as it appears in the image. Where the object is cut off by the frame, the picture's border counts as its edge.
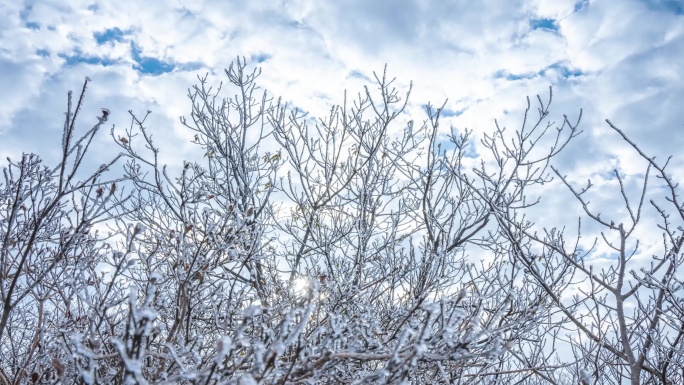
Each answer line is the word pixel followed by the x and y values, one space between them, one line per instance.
pixel 360 247
pixel 47 220
pixel 624 322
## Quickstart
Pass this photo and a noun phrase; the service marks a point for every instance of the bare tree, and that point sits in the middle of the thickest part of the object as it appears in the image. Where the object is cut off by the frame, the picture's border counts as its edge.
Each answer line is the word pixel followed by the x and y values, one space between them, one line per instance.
pixel 623 323
pixel 356 248
pixel 46 218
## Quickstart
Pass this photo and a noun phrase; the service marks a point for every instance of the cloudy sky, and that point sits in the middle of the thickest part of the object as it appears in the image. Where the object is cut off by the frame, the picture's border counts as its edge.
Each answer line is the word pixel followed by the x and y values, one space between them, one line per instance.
pixel 615 59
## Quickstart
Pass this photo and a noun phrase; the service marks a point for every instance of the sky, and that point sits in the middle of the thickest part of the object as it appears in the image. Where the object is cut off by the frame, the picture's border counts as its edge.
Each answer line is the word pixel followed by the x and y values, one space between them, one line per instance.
pixel 614 59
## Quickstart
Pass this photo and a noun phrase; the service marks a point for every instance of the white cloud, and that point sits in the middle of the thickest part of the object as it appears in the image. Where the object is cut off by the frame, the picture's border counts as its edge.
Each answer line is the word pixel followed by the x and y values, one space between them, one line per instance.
pixel 617 59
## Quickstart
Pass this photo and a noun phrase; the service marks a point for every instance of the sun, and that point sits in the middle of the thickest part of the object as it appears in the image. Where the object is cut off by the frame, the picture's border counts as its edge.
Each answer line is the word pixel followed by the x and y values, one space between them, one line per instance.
pixel 300 286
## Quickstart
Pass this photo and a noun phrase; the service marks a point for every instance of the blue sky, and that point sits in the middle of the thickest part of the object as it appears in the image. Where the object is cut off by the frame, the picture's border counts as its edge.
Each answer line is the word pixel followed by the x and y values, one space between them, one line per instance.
pixel 615 59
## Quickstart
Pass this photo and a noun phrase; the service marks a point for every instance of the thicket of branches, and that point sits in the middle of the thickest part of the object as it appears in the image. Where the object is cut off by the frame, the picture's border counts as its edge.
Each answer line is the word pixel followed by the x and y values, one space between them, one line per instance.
pixel 353 248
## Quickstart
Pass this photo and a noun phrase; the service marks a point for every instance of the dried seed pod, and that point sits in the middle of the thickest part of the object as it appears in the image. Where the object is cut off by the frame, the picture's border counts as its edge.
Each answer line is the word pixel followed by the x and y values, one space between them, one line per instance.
pixel 59 367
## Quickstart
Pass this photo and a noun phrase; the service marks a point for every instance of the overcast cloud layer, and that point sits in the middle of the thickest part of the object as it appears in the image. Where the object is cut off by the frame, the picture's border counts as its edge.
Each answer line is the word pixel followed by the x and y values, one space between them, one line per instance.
pixel 615 59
